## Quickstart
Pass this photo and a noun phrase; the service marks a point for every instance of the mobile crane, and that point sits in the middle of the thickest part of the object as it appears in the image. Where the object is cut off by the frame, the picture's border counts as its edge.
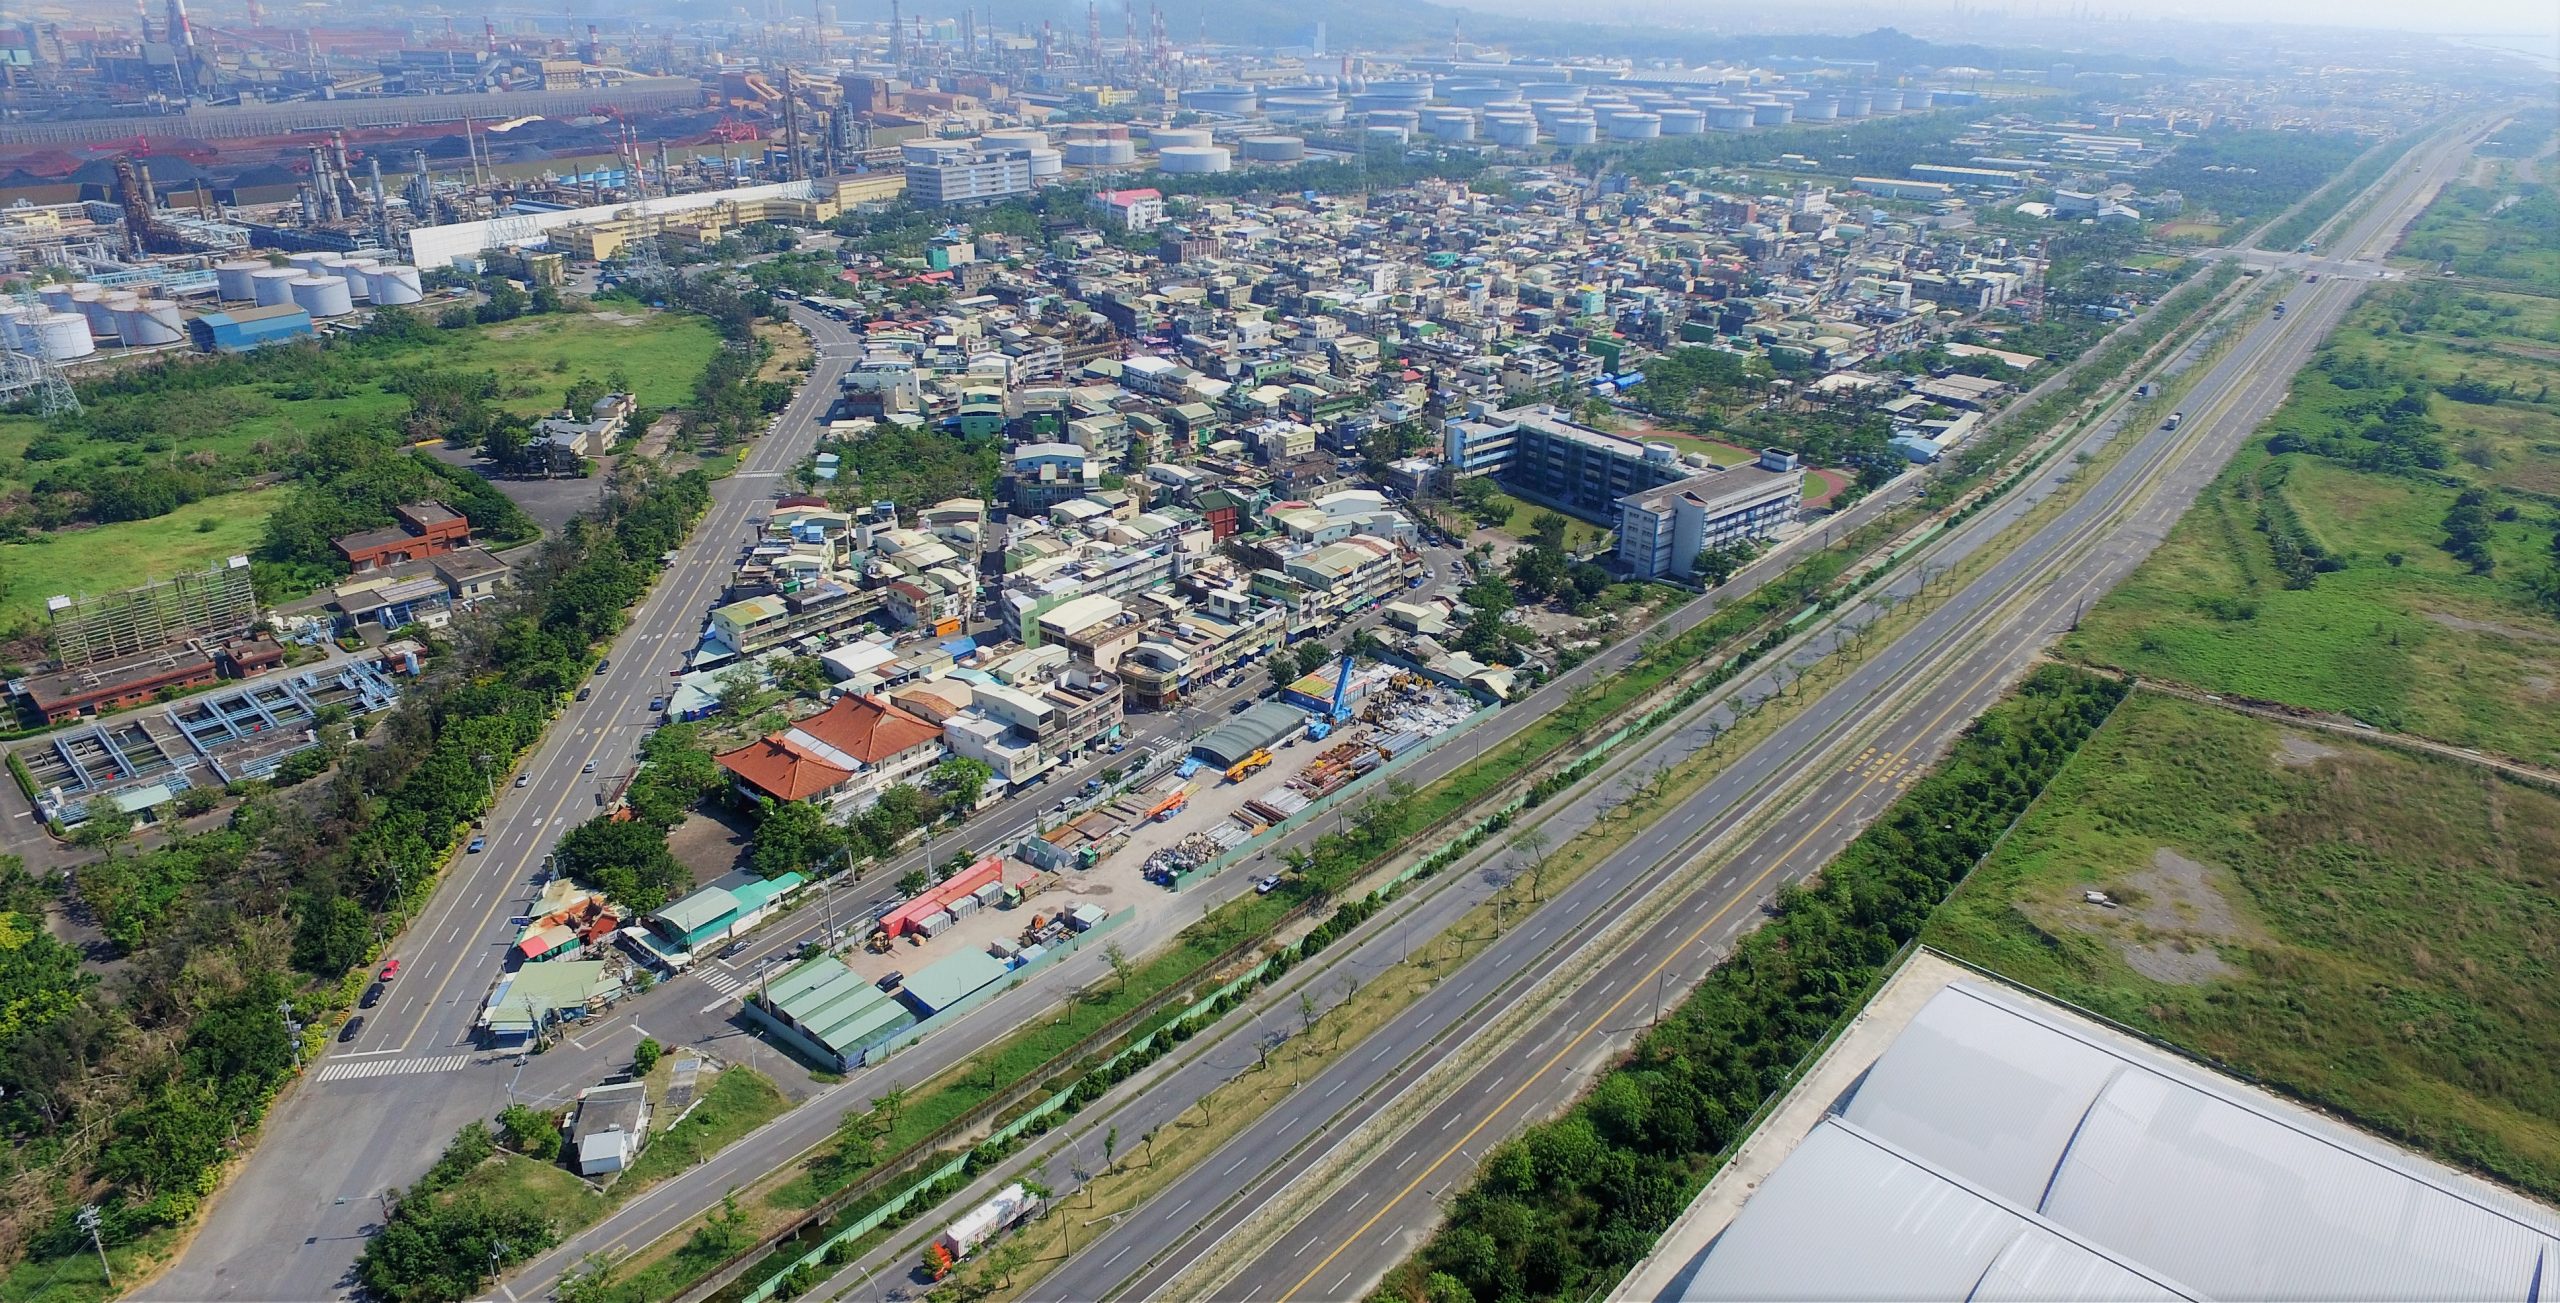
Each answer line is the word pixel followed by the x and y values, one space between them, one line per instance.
pixel 1338 713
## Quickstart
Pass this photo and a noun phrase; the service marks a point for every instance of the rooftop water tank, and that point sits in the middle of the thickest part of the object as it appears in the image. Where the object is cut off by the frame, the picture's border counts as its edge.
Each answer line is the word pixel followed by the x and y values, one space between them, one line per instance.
pixel 61 336
pixel 150 323
pixel 1274 149
pixel 322 296
pixel 1661 454
pixel 394 283
pixel 268 286
pixel 1194 159
pixel 231 279
pixel 1179 138
pixel 1100 153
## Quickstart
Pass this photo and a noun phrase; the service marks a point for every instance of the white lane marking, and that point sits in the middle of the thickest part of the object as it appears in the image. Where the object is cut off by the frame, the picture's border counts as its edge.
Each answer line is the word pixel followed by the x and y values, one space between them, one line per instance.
pixel 392 1067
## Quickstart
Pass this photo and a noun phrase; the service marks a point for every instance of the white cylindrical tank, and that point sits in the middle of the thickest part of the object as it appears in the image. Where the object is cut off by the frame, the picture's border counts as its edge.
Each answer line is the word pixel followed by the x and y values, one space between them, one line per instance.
pixel 1100 153
pixel 1817 108
pixel 1405 118
pixel 310 261
pixel 1554 92
pixel 1164 138
pixel 1577 130
pixel 56 297
pixel 62 336
pixel 1303 108
pixel 1729 117
pixel 1194 159
pixel 322 296
pixel 1857 103
pixel 1886 99
pixel 1683 122
pixel 1016 138
pixel 1634 126
pixel 1048 162
pixel 1378 133
pixel 1219 99
pixel 358 273
pixel 1449 124
pixel 231 279
pixel 1274 149
pixel 268 285
pixel 394 283
pixel 1776 113
pixel 1477 95
pixel 90 301
pixel 116 306
pixel 1514 133
pixel 1408 93
pixel 1917 97
pixel 150 322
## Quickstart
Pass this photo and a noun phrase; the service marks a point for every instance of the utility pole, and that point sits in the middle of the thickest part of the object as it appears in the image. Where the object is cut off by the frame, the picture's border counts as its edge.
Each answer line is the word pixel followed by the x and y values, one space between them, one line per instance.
pixel 88 1221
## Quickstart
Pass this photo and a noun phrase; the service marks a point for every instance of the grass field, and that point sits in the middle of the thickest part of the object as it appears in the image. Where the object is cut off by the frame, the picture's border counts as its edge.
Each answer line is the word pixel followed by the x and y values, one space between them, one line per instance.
pixel 739 1101
pixel 2372 930
pixel 2402 634
pixel 2505 229
pixel 1580 536
pixel 124 554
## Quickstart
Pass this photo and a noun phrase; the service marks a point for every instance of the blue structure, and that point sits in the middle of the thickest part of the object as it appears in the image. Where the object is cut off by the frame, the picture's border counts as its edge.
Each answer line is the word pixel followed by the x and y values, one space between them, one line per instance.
pixel 248 328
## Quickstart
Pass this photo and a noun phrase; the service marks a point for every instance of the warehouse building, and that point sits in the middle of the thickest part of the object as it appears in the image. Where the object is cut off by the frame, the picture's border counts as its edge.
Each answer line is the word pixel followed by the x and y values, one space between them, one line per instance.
pixel 242 329
pixel 1266 725
pixel 828 1012
pixel 1967 1140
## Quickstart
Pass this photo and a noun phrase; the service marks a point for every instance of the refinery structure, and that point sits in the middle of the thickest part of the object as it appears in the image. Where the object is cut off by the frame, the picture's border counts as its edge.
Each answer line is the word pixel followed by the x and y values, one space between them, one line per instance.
pixel 219 181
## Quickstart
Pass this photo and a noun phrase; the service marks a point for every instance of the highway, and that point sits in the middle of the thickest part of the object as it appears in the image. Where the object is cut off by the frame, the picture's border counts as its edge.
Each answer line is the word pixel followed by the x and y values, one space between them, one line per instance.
pixel 290 1223
pixel 1336 1187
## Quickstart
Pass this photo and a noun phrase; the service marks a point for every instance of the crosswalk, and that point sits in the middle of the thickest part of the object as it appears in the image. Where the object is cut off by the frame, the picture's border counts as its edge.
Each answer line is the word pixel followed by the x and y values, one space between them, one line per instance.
pixel 352 1070
pixel 723 982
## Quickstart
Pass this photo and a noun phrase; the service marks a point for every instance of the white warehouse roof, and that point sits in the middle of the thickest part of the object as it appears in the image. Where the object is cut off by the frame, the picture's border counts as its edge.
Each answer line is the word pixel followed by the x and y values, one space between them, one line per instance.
pixel 2000 1148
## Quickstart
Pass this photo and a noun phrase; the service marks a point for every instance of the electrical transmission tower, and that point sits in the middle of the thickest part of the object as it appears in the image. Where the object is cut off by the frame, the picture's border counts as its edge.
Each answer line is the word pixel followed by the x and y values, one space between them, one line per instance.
pixel 27 375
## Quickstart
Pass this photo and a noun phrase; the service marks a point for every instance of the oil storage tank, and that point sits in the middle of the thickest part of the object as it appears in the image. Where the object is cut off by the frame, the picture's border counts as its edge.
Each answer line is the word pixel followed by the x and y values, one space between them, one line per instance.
pixel 1274 149
pixel 1304 108
pixel 1449 124
pixel 1581 129
pixel 150 323
pixel 392 284
pixel 322 296
pixel 1631 125
pixel 1016 138
pixel 1164 138
pixel 231 279
pixel 1729 117
pixel 1886 99
pixel 1220 99
pixel 61 336
pixel 1512 132
pixel 1683 122
pixel 268 286
pixel 1193 159
pixel 1100 153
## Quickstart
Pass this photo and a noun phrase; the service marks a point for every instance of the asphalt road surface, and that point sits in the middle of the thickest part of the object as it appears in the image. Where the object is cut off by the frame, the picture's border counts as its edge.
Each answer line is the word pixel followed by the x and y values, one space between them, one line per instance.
pixel 1952 665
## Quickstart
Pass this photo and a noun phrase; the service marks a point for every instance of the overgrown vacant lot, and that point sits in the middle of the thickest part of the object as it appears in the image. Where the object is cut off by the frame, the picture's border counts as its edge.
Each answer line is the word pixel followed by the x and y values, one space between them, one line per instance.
pixel 2320 569
pixel 2373 930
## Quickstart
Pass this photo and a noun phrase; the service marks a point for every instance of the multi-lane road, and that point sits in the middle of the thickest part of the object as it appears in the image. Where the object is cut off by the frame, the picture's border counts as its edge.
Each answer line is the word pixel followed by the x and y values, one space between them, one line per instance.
pixel 290 1223
pixel 1334 1188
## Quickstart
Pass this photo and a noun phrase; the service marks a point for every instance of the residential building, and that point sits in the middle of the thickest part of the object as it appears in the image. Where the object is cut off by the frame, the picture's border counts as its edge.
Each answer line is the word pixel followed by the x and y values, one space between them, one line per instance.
pixel 425 529
pixel 843 757
pixel 1128 210
pixel 973 175
pixel 611 1126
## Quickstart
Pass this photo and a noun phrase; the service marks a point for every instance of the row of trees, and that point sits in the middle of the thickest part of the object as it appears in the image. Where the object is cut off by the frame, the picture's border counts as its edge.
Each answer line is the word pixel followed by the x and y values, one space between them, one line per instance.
pixel 1568 1206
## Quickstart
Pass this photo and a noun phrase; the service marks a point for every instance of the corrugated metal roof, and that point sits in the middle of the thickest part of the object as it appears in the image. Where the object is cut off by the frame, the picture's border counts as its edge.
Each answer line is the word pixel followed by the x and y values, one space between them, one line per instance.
pixel 2000 1149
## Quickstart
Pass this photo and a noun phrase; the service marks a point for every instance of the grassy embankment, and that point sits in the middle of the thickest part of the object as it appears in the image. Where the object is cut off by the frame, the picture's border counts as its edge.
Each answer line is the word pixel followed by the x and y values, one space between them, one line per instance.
pixel 2314 571
pixel 2371 929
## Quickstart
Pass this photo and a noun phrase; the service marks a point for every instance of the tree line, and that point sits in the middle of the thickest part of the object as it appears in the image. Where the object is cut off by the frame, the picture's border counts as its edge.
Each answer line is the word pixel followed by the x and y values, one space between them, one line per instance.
pixel 1567 1207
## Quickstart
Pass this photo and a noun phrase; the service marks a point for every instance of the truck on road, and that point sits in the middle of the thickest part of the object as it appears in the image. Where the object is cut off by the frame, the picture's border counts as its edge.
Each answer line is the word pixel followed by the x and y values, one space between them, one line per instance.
pixel 2175 420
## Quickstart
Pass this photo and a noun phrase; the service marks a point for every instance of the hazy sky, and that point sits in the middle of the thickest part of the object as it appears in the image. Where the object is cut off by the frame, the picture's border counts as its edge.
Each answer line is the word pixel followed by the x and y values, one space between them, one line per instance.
pixel 2433 16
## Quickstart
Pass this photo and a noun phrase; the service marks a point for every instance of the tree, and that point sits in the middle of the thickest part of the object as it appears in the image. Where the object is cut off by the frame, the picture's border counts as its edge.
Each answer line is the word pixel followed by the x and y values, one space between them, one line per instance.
pixel 793 835
pixel 1111 1150
pixel 531 1133
pixel 1547 530
pixel 741 692
pixel 582 397
pixel 1119 961
pixel 644 1055
pixel 962 781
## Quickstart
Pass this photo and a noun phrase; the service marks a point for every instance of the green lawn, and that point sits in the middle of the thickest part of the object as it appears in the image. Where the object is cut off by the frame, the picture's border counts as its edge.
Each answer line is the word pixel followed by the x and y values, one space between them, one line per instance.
pixel 1579 535
pixel 538 357
pixel 121 555
pixel 2375 931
